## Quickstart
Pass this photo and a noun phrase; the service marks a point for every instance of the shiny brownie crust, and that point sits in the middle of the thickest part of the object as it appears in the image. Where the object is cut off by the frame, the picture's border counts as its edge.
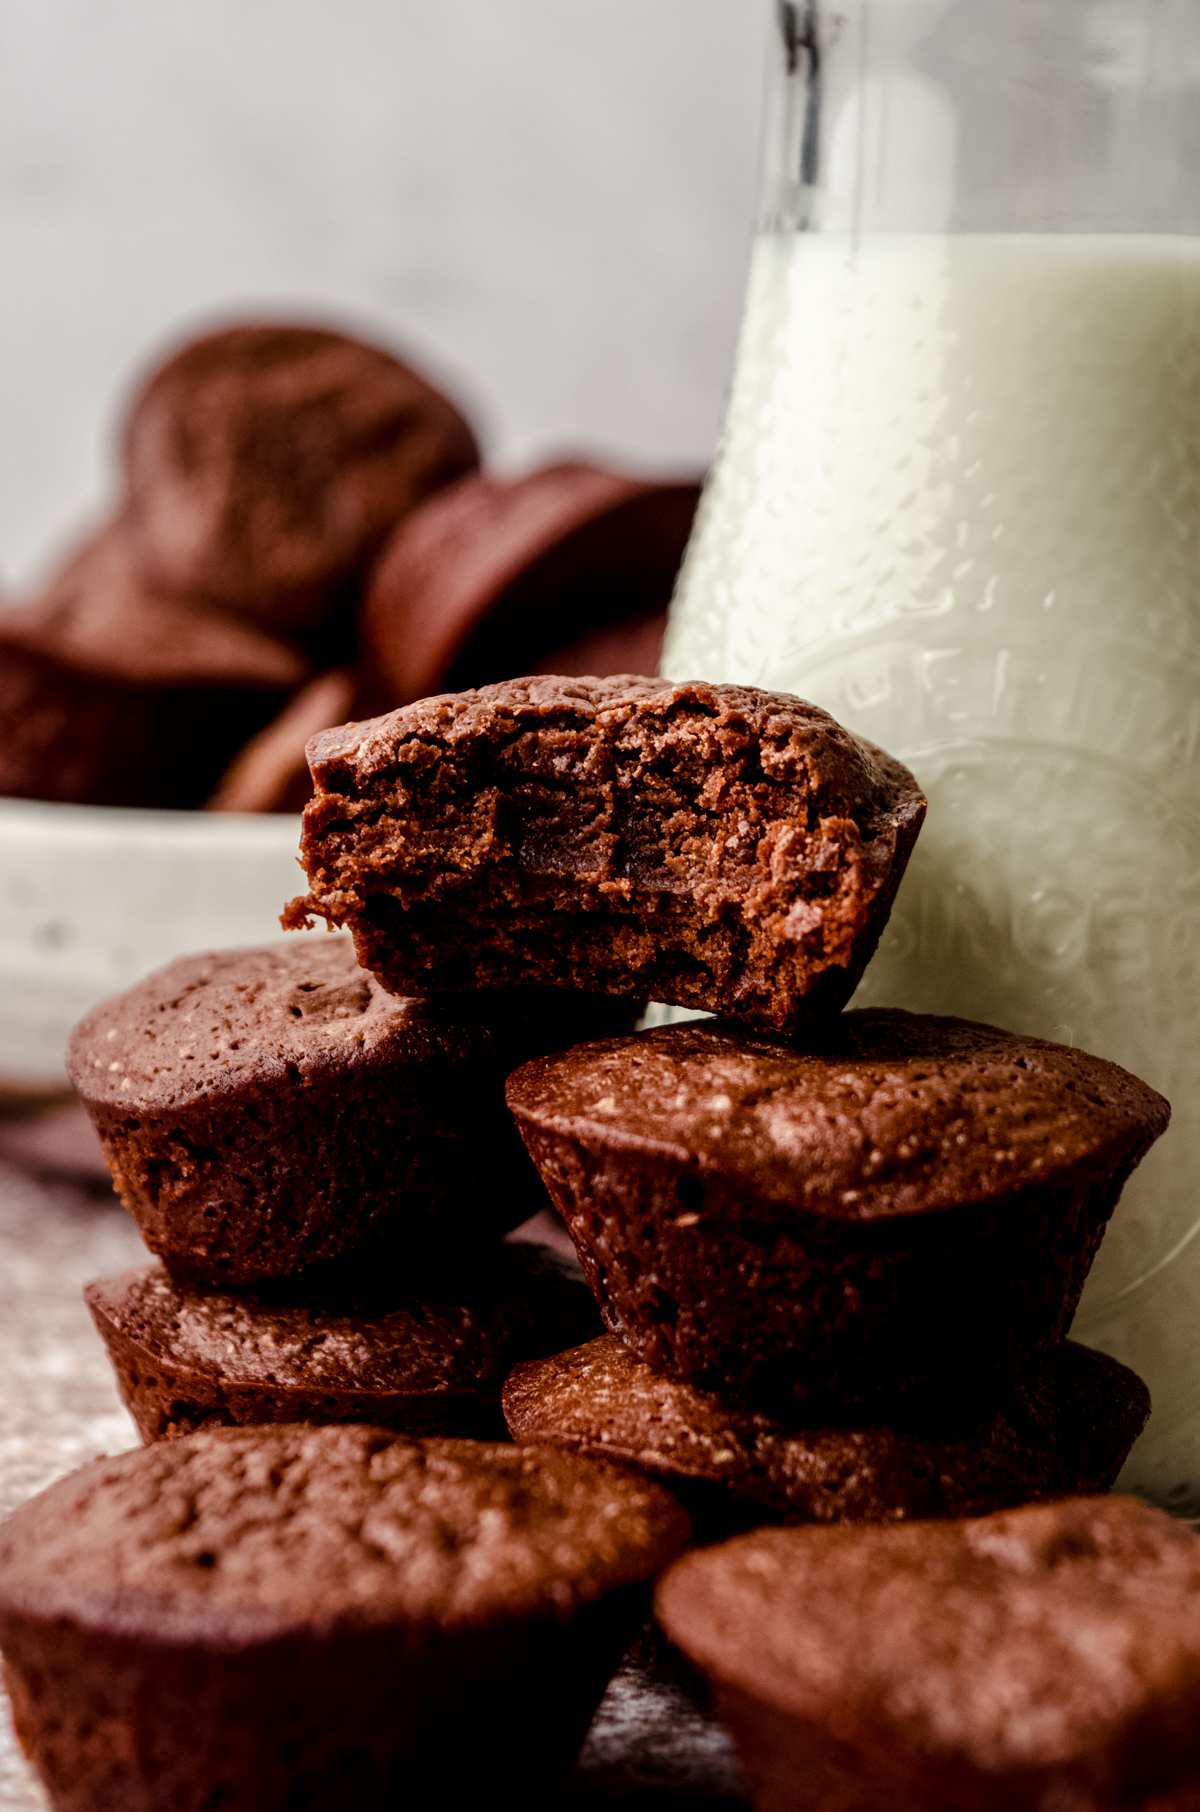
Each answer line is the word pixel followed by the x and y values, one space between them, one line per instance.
pixel 188 1357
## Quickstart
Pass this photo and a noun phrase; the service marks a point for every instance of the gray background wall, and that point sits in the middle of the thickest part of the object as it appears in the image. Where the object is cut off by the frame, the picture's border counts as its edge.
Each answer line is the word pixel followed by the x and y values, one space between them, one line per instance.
pixel 546 202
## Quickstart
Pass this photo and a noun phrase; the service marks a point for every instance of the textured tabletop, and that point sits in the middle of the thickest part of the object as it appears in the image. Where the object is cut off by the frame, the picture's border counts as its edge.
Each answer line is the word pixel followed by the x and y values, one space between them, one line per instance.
pixel 58 1403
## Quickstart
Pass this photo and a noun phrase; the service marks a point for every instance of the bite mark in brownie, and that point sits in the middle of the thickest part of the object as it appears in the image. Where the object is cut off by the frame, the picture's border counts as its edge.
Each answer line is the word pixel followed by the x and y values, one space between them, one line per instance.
pixel 711 846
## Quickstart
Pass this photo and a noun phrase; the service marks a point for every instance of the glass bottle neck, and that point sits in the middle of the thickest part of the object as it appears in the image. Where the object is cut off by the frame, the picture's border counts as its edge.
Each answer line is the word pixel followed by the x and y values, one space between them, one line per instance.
pixel 934 116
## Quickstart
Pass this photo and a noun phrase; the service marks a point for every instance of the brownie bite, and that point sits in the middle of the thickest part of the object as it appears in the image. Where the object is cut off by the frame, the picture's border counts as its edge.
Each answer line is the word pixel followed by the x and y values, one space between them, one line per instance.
pixel 272 1112
pixel 712 846
pixel 188 1356
pixel 78 737
pixel 269 1618
pixel 1064 1428
pixel 266 464
pixel 564 570
pixel 905 1204
pixel 113 694
pixel 1040 1658
pixel 99 614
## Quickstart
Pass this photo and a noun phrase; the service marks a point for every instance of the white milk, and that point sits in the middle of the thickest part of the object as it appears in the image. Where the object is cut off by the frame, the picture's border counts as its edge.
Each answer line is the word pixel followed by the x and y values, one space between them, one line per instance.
pixel 958 504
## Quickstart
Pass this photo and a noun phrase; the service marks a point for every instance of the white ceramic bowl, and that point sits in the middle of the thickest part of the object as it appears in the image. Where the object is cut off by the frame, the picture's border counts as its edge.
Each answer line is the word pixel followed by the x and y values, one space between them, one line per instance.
pixel 92 897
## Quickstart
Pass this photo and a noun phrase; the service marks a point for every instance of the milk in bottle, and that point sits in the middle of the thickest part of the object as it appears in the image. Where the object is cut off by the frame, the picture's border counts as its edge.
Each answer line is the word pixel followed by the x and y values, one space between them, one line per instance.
pixel 958 504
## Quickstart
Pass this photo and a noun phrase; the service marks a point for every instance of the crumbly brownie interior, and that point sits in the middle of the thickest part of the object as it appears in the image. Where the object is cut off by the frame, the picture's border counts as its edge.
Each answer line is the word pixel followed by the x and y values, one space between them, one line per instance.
pixel 713 846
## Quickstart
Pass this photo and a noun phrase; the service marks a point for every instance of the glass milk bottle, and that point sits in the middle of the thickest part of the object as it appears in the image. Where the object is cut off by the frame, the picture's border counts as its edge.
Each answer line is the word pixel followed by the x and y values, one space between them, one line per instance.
pixel 958 504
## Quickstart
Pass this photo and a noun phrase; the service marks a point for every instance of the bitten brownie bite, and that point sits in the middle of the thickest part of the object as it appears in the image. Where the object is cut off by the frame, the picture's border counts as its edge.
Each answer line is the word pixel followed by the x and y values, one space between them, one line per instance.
pixel 1043 1658
pixel 906 1204
pixel 712 846
pixel 270 1111
pixel 187 1356
pixel 263 1619
pixel 1064 1428
pixel 266 464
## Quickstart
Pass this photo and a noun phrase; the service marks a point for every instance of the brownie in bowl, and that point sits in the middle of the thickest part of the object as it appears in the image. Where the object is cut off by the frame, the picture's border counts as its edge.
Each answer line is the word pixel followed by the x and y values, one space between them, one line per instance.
pixel 267 463
pixel 566 569
pixel 114 693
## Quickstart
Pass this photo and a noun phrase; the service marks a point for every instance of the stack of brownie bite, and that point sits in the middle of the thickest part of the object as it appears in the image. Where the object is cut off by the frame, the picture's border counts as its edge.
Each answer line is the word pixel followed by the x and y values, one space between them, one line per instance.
pixel 837 1252
pixel 838 1276
pixel 328 1554
pixel 325 1173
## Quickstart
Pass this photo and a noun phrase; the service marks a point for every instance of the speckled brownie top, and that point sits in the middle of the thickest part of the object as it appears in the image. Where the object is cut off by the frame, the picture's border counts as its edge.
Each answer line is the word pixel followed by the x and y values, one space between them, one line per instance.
pixel 887 1113
pixel 1051 1636
pixel 1065 1426
pixel 242 1534
pixel 802 744
pixel 219 1020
